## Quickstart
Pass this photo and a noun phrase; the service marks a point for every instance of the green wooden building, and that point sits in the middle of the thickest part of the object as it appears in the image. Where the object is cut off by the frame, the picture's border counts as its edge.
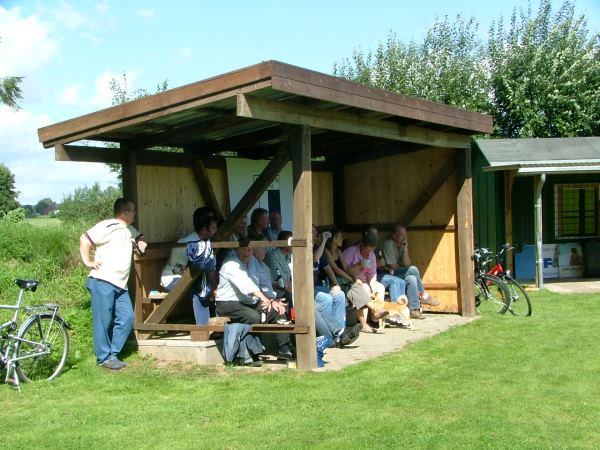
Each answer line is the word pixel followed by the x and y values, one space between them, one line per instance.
pixel 563 174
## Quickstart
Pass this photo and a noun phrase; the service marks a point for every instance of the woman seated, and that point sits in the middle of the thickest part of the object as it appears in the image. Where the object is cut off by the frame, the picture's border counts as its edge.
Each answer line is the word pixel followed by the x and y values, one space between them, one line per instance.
pixel 351 285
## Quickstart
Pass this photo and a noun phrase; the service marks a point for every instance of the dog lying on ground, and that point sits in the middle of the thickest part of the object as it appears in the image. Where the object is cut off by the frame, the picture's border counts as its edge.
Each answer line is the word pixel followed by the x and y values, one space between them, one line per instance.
pixel 399 314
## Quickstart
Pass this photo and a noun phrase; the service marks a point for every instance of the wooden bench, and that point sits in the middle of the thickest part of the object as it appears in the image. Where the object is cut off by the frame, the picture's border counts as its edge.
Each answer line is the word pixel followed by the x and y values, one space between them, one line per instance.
pixel 217 324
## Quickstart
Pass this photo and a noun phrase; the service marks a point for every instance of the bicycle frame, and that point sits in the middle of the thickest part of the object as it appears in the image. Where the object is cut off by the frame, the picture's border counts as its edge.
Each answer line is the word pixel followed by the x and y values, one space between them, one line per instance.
pixel 8 342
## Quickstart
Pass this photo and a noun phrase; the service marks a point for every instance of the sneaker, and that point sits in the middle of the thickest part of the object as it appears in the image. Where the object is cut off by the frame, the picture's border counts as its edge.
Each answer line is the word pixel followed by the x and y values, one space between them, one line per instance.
pixel 114 364
pixel 416 314
pixel 429 300
pixel 283 321
pixel 349 335
pixel 284 353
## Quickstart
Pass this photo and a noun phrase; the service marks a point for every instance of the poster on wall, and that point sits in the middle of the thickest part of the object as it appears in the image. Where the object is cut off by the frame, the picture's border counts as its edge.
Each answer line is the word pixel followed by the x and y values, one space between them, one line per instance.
pixel 550 261
pixel 242 173
pixel 570 260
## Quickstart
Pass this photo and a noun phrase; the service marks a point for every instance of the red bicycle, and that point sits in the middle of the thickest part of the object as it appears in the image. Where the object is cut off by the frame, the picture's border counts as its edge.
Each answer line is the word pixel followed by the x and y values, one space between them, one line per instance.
pixel 520 303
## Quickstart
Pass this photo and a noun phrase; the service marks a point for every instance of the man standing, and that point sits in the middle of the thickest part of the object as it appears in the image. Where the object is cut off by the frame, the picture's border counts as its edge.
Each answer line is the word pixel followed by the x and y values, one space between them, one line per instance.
pixel 395 252
pixel 112 242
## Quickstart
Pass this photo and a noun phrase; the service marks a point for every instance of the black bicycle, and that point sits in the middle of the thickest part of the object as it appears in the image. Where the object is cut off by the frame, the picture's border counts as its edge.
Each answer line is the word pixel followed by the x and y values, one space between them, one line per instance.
pixel 520 303
pixel 491 293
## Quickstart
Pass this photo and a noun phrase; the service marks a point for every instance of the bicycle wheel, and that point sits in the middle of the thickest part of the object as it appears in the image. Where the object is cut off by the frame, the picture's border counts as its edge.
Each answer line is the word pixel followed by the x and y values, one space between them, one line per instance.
pixel 46 341
pixel 520 304
pixel 491 295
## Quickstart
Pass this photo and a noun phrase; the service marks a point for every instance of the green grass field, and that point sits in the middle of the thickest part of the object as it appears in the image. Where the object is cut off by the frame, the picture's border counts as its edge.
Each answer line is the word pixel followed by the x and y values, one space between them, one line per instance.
pixel 44 221
pixel 499 382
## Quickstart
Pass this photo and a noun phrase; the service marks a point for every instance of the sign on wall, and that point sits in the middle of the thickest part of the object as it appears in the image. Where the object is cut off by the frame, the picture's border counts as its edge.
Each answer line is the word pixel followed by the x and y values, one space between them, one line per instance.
pixel 242 173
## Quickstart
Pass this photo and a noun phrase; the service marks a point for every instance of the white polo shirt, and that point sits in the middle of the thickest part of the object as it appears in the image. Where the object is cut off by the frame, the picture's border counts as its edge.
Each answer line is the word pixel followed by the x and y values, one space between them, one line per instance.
pixel 113 241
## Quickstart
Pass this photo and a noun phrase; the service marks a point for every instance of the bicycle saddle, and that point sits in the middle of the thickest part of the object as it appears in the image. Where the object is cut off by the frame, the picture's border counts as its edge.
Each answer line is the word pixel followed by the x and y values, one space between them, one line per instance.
pixel 27 284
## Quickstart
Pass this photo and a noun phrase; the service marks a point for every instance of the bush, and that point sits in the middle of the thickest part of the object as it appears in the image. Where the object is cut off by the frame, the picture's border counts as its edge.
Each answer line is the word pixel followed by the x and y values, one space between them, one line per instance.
pixel 89 204
pixel 15 215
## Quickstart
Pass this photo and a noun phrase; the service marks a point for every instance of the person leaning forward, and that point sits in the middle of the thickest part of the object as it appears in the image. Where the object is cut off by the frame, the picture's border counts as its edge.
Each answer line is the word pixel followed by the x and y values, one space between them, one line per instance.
pixel 107 248
pixel 239 298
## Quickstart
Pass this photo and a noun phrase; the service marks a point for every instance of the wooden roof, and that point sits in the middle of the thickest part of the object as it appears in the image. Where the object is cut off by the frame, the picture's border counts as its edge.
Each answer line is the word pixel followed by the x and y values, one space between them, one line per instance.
pixel 246 110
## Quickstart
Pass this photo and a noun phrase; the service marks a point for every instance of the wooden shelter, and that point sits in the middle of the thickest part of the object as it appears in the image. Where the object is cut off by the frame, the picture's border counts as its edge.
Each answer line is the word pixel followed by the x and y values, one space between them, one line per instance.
pixel 359 155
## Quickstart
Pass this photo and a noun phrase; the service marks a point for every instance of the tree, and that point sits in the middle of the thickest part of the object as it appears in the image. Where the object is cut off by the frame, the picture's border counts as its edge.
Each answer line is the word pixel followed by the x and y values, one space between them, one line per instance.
pixel 10 91
pixel 447 67
pixel 122 95
pixel 45 206
pixel 545 74
pixel 539 78
pixel 8 195
pixel 89 204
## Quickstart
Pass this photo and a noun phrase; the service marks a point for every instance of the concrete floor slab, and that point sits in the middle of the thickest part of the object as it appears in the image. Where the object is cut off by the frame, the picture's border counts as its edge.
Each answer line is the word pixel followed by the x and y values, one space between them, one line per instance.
pixel 179 347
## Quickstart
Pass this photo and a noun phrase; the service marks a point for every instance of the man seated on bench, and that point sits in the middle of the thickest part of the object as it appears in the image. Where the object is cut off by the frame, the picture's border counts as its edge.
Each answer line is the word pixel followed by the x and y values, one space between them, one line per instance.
pixel 279 261
pixel 197 254
pixel 396 255
pixel 239 298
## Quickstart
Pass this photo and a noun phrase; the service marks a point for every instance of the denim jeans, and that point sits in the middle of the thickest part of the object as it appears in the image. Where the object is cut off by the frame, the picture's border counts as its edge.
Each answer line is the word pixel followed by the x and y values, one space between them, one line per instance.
pixel 414 284
pixel 395 286
pixel 201 309
pixel 112 315
pixel 332 311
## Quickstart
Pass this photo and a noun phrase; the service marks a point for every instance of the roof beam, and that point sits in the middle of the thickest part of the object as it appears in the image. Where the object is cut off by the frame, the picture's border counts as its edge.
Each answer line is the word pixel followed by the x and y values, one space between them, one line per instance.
pixel 263 109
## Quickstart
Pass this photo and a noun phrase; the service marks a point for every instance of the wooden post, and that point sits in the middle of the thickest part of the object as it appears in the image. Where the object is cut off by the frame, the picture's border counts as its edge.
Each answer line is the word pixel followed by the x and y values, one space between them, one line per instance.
pixel 464 232
pixel 130 190
pixel 509 181
pixel 303 288
pixel 206 189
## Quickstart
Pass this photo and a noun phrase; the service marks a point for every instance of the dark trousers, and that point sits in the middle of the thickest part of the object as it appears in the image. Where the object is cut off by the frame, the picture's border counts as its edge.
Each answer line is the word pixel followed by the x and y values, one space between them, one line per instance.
pixel 240 313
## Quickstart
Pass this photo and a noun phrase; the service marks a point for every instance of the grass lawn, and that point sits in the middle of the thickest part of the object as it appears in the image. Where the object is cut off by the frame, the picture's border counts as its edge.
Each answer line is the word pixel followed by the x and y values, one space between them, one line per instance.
pixel 499 382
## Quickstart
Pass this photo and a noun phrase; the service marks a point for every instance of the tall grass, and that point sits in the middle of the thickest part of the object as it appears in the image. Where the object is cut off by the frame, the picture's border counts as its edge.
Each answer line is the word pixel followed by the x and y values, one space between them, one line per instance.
pixel 49 254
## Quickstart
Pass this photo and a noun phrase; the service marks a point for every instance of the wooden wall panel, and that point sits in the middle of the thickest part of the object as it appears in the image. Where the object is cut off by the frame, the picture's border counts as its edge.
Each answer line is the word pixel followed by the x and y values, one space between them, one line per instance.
pixel 167 198
pixel 383 190
pixel 390 185
pixel 322 198
pixel 440 210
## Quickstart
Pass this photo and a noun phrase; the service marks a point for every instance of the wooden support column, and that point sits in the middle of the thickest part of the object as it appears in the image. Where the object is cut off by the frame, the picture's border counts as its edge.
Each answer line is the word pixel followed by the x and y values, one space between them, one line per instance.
pixel 464 232
pixel 303 289
pixel 206 189
pixel 509 181
pixel 130 190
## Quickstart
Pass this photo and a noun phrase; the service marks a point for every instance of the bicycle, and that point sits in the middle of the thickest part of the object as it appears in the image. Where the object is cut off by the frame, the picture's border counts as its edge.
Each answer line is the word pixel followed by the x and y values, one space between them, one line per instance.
pixel 40 346
pixel 491 293
pixel 520 303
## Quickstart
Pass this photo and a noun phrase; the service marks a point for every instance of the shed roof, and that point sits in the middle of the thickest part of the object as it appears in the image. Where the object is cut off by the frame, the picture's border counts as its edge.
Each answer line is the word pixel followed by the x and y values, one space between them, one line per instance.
pixel 542 155
pixel 244 109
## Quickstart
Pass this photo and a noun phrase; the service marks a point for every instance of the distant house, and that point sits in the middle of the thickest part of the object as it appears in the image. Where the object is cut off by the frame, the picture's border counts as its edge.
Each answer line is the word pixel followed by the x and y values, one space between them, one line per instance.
pixel 565 172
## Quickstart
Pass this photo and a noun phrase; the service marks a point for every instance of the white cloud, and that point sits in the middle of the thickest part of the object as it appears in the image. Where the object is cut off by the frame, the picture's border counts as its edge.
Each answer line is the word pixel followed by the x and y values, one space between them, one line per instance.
pixel 70 96
pixel 69 17
pixel 26 45
pixel 103 96
pixel 146 13
pixel 37 174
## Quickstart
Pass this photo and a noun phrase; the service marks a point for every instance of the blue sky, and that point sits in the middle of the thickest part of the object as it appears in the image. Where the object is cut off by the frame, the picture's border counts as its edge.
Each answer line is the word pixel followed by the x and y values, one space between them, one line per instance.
pixel 69 51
